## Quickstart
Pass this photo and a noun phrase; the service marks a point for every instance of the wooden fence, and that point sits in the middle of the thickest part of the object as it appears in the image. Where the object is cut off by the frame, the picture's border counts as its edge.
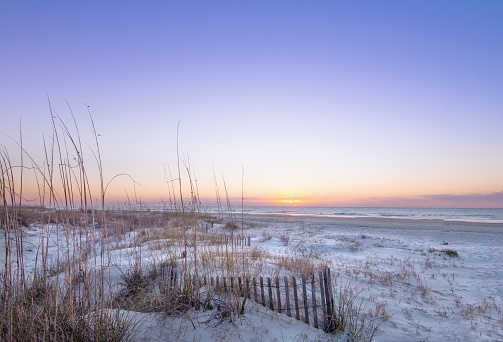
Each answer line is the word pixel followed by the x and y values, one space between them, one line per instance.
pixel 308 299
pixel 238 241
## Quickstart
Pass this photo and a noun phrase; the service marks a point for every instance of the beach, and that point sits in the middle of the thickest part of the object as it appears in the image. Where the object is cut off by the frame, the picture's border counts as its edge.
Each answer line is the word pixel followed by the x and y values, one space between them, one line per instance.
pixel 433 296
pixel 419 279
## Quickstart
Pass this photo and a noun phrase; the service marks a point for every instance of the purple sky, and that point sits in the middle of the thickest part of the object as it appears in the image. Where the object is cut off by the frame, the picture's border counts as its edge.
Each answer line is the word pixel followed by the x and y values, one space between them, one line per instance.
pixel 327 102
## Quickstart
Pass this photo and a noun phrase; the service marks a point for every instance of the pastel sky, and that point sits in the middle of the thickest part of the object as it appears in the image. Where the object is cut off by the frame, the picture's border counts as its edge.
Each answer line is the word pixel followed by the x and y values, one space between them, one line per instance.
pixel 365 103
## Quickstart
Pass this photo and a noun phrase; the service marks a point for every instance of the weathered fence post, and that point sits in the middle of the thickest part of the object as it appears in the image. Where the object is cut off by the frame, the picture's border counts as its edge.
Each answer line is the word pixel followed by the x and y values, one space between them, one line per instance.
pixel 322 296
pixel 287 294
pixel 304 296
pixel 271 304
pixel 247 288
pixel 313 292
pixel 175 279
pixel 278 294
pixel 295 298
pixel 330 291
pixel 262 290
pixel 171 275
pixel 255 294
pixel 329 300
pixel 163 272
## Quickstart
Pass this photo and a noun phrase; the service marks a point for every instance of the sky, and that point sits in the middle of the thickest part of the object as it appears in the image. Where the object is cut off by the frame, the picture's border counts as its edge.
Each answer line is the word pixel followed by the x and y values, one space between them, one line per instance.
pixel 346 103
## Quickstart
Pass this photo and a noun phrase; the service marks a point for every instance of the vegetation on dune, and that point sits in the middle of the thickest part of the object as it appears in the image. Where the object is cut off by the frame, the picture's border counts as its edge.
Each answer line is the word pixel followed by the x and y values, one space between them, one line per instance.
pixel 71 291
pixel 450 252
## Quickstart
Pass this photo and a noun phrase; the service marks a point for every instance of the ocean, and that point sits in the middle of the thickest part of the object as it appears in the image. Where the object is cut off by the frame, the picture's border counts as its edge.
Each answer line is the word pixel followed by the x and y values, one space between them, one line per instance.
pixel 491 215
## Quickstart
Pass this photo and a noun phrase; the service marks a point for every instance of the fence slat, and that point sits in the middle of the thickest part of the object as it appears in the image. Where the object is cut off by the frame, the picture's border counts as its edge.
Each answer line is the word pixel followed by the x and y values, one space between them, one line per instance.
pixel 330 318
pixel 262 290
pixel 313 292
pixel 255 294
pixel 322 296
pixel 287 295
pixel 175 280
pixel 170 278
pixel 304 296
pixel 295 298
pixel 329 277
pixel 248 292
pixel 271 304
pixel 278 294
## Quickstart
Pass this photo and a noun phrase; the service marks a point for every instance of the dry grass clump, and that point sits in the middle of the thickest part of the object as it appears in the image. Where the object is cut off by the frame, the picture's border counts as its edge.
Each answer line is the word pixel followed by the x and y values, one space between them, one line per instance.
pixel 258 253
pixel 23 216
pixel 231 226
pixel 306 251
pixel 60 296
pixel 353 316
pixel 265 236
pixel 486 307
pixel 148 291
pixel 35 314
pixel 353 244
pixel 297 265
pixel 285 239
pixel 450 252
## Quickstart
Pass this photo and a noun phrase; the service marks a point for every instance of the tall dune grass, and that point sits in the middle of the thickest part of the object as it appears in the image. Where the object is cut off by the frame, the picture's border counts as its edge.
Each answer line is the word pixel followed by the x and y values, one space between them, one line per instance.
pixel 61 297
pixel 68 294
pixel 71 291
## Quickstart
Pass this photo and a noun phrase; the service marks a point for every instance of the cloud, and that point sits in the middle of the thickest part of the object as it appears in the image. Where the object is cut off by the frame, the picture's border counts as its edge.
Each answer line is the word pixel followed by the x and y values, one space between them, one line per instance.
pixel 491 200
pixel 494 199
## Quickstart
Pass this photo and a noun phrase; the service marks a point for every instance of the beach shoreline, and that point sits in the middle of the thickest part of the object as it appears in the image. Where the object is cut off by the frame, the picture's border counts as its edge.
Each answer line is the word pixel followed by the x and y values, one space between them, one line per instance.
pixel 387 222
pixel 433 279
pixel 454 267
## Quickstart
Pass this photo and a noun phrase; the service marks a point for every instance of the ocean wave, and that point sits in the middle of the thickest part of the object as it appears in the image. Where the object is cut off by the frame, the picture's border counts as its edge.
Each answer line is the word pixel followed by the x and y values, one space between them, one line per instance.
pixel 464 215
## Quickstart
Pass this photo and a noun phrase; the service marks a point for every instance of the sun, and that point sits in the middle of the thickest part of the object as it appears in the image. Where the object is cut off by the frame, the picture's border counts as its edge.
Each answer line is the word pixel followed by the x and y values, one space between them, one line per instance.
pixel 291 201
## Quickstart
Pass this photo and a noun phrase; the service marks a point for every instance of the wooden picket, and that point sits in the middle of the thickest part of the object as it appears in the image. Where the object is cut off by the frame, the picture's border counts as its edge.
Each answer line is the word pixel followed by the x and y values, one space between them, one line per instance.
pixel 315 293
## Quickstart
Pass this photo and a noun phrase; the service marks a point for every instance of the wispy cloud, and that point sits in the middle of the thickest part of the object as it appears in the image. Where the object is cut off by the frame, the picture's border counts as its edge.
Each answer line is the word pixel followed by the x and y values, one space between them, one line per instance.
pixel 491 200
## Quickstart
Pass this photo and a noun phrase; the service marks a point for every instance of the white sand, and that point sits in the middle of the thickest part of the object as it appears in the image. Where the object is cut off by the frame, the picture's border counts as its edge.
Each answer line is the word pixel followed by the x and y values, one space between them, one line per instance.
pixel 430 296
pixel 431 291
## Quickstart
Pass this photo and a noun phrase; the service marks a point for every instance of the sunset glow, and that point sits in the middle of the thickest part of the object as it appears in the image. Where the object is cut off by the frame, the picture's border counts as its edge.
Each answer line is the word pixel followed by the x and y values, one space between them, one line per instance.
pixel 334 103
pixel 290 201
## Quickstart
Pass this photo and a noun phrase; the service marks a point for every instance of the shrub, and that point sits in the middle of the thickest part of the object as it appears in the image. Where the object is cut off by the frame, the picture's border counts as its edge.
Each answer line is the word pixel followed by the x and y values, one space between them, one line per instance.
pixel 450 252
pixel 266 236
pixel 285 238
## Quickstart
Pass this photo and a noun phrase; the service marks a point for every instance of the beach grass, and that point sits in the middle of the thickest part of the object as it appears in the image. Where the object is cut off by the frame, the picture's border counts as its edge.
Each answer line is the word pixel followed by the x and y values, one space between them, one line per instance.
pixel 95 267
